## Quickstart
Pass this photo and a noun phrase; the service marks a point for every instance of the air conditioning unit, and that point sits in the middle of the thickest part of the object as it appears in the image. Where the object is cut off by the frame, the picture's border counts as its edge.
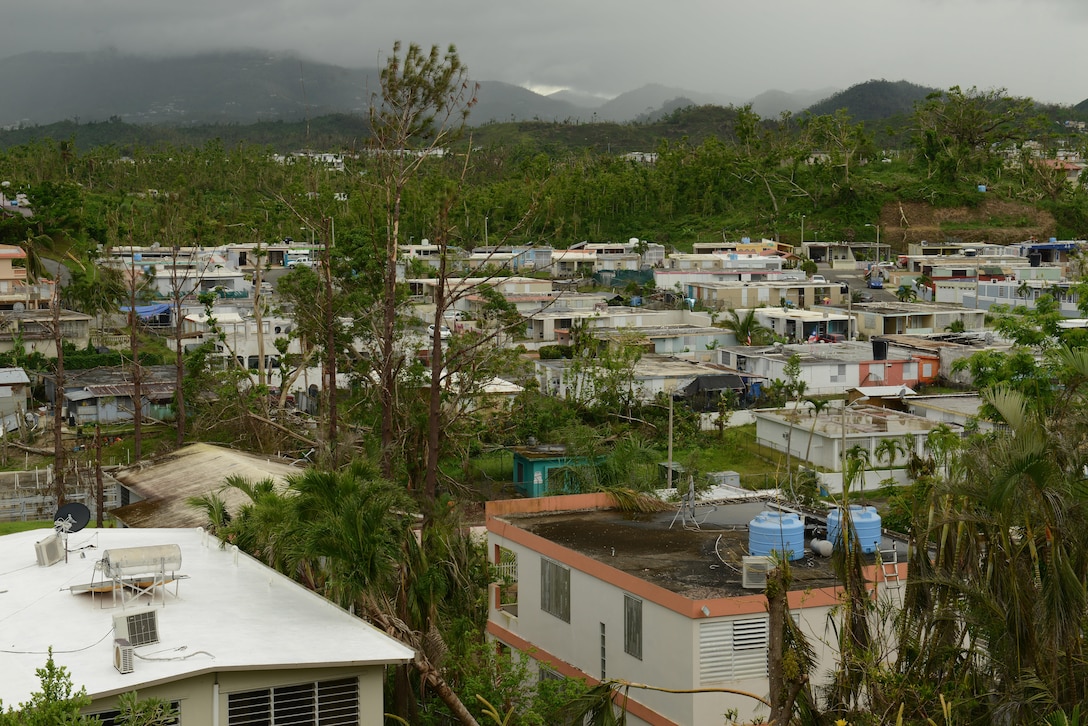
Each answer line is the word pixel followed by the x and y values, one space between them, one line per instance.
pixel 754 571
pixel 123 655
pixel 50 550
pixel 140 627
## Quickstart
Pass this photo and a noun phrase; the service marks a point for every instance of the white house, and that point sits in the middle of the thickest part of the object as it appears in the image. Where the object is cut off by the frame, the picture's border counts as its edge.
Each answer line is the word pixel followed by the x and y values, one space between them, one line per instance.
pixel 589 593
pixel 651 374
pixel 832 368
pixel 552 323
pixel 208 628
pixel 820 438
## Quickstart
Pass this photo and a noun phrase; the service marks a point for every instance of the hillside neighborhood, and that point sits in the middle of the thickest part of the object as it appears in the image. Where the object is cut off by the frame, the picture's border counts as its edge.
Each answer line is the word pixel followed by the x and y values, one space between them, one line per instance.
pixel 439 433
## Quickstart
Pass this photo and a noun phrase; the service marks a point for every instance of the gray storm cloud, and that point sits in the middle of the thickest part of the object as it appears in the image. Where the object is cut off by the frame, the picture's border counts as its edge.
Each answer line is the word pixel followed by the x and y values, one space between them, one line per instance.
pixel 608 46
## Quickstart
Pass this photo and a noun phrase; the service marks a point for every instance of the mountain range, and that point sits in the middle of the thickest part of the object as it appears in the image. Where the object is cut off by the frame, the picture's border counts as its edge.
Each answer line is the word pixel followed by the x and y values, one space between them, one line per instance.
pixel 243 87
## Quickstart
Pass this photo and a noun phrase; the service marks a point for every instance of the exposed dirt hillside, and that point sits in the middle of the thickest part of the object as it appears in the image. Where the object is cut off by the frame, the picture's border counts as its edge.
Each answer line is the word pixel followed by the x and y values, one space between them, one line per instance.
pixel 992 221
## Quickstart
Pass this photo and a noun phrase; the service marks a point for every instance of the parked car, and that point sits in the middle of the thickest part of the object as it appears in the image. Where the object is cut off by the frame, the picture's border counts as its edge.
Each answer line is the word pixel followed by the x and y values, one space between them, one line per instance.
pixel 443 332
pixel 876 283
pixel 819 278
pixel 865 297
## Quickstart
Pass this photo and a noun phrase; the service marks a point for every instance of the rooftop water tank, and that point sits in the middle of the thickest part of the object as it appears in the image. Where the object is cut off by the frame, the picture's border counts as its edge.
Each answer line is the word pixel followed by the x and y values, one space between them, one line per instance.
pixel 777 532
pixel 866 527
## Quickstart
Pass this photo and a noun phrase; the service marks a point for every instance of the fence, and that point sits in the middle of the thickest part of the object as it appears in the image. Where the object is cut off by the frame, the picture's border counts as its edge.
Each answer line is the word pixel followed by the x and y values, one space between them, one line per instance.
pixel 29 496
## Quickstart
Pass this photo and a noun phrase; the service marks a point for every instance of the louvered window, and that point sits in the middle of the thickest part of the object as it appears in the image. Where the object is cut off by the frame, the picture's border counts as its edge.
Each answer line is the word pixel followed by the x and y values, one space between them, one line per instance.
pixel 632 626
pixel 326 703
pixel 555 589
pixel 732 650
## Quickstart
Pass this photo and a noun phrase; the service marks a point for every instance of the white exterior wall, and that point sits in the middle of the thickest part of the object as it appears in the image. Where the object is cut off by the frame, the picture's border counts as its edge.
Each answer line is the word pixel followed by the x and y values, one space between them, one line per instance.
pixel 826 451
pixel 825 378
pixel 670 643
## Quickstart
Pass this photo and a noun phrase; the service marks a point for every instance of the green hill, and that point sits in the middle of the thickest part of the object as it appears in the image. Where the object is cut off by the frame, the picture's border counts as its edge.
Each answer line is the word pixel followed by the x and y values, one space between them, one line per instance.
pixel 874 100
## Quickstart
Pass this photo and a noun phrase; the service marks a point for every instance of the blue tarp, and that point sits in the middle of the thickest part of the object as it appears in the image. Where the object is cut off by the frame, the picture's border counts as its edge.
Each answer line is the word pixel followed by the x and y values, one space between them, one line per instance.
pixel 148 311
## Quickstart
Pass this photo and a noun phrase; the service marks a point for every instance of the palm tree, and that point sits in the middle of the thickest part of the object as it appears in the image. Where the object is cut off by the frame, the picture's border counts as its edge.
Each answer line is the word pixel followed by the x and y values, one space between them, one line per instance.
pixel 906 293
pixel 348 535
pixel 818 405
pixel 889 450
pixel 857 462
pixel 94 289
pixel 746 328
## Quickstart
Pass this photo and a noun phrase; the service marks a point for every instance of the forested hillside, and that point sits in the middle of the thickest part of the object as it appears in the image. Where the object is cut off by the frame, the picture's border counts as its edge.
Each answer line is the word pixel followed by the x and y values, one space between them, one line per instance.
pixel 715 172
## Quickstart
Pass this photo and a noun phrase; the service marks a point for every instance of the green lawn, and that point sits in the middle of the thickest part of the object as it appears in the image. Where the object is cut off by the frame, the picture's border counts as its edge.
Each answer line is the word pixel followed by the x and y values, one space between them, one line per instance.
pixel 12 527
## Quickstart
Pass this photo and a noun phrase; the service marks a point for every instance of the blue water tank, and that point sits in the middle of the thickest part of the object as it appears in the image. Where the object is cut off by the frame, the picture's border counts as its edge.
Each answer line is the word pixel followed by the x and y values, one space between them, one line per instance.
pixel 866 527
pixel 783 533
pixel 982 188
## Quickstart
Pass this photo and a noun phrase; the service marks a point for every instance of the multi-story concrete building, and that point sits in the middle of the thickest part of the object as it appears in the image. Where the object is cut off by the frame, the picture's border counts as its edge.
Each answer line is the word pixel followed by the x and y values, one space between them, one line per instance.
pixel 588 592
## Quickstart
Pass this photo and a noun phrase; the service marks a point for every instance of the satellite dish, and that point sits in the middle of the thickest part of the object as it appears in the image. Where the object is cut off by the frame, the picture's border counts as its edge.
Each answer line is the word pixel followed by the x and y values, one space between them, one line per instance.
pixel 18 307
pixel 72 517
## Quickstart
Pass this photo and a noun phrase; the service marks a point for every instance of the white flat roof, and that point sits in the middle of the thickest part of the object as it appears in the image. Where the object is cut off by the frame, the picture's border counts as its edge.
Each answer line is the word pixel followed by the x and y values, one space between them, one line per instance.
pixel 244 614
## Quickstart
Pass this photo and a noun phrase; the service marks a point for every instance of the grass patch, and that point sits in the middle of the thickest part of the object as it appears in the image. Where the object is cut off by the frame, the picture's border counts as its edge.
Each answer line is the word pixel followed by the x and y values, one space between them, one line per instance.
pixel 736 451
pixel 13 527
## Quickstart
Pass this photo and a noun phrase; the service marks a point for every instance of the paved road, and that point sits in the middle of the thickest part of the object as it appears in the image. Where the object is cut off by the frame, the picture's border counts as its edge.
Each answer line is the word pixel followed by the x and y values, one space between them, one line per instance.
pixel 856 280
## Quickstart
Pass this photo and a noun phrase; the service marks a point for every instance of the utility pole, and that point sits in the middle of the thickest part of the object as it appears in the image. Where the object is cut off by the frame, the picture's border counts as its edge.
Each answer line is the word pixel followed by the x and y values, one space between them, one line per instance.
pixel 98 503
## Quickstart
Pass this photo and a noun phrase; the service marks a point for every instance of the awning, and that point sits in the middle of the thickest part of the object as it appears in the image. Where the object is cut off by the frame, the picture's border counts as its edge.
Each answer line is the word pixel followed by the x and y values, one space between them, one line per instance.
pixel 148 311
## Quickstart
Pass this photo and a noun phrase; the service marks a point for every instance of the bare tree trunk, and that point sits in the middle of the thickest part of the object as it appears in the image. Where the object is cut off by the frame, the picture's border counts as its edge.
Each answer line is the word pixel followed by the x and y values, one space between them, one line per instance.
pixel 329 368
pixel 258 314
pixel 426 669
pixel 98 494
pixel 59 454
pixel 137 380
pixel 434 404
pixel 179 379
pixel 389 319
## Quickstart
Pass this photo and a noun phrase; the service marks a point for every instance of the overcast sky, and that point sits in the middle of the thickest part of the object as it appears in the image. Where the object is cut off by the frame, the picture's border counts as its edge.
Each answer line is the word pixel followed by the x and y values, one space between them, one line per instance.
pixel 1032 48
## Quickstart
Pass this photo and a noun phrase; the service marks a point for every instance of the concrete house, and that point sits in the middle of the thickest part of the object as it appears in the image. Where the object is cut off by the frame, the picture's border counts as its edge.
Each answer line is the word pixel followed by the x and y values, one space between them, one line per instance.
pixel 589 593
pixel 173 615
pixel 32 330
pixel 831 368
pixel 820 439
pixel 16 291
pixel 732 295
pixel 551 323
pixel 651 375
pixel 897 318
pixel 14 396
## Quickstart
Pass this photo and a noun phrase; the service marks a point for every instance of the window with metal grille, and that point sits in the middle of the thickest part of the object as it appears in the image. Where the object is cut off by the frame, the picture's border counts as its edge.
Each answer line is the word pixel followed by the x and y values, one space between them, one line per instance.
pixel 632 626
pixel 555 589
pixel 112 718
pixel 325 703
pixel 731 650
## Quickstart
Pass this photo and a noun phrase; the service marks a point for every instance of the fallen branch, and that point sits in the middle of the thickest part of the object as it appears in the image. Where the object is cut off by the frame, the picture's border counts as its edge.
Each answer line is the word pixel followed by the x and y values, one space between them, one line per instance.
pixel 284 429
